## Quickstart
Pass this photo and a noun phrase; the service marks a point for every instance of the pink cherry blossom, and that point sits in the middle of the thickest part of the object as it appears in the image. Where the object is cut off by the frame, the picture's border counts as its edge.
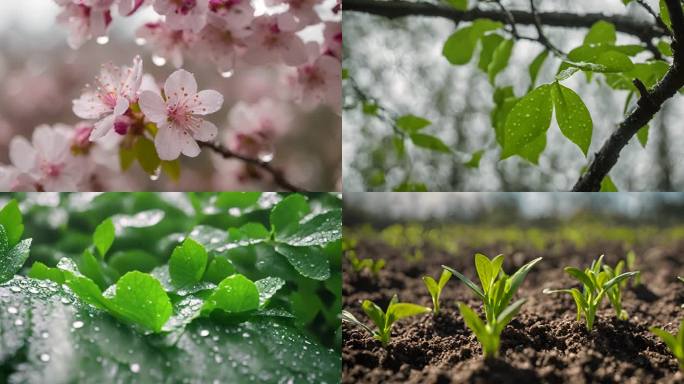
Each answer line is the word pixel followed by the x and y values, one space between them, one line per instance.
pixel 47 160
pixel 178 128
pixel 269 44
pixel 221 47
pixel 128 7
pixel 184 14
pixel 166 42
pixel 84 21
pixel 256 126
pixel 300 14
pixel 231 15
pixel 332 36
pixel 319 82
pixel 117 88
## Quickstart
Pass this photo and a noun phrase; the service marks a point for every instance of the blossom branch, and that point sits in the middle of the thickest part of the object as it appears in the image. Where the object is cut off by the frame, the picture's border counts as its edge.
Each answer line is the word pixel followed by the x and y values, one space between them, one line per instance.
pixel 277 175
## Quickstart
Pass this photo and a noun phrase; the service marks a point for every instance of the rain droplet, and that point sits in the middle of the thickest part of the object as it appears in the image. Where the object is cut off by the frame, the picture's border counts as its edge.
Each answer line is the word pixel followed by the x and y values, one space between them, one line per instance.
pixel 135 367
pixel 34 290
pixel 65 300
pixel 14 288
pixel 102 40
pixel 77 324
pixel 204 333
pixel 44 335
pixel 265 156
pixel 234 211
pixel 140 41
pixel 155 176
pixel 218 359
pixel 12 310
pixel 227 74
pixel 44 357
pixel 18 322
pixel 158 60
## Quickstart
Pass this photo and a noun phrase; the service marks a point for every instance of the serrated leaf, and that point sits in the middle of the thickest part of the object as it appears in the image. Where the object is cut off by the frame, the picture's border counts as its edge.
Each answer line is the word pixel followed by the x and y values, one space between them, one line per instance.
pixel 572 116
pixel 103 238
pixel 309 261
pixel 500 58
pixel 10 218
pixel 234 295
pixel 187 263
pixel 527 123
pixel 411 123
pixel 430 142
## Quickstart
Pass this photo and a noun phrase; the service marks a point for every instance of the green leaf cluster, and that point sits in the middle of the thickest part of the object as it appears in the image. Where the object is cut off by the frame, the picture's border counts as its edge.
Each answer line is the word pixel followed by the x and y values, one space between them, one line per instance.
pixel 384 320
pixel 435 288
pixel 597 281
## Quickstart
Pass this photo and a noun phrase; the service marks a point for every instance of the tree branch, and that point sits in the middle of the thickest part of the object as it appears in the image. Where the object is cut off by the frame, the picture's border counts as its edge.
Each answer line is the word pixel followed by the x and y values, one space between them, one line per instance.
pixel 277 175
pixel 648 105
pixel 401 8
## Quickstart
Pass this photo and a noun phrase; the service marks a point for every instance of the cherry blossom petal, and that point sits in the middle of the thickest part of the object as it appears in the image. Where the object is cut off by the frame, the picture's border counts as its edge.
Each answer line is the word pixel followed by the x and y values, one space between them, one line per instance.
pixel 22 154
pixel 153 106
pixel 121 106
pixel 51 144
pixel 132 79
pixel 180 85
pixel 190 147
pixel 205 102
pixel 294 51
pixel 102 127
pixel 89 106
pixel 207 131
pixel 168 142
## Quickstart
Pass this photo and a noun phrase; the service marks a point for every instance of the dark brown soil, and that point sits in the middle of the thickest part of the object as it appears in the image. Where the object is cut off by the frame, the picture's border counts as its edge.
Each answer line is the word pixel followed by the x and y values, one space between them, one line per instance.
pixel 543 344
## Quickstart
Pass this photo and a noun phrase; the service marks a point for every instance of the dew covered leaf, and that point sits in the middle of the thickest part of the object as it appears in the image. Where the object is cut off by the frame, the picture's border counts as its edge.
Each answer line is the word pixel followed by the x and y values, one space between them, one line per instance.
pixel 46 331
pixel 141 298
pixel 309 261
pixel 527 123
pixel 601 32
pixel 235 294
pixel 10 218
pixel 572 116
pixel 500 58
pixel 268 287
pixel 642 135
pixel 187 263
pixel 286 214
pixel 104 236
pixel 429 142
pixel 12 257
pixel 459 47
pixel 318 230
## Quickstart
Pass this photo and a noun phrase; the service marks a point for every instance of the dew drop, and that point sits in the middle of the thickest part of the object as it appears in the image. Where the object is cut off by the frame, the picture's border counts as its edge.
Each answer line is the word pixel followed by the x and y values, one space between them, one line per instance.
pixel 102 40
pixel 140 41
pixel 12 310
pixel 44 357
pixel 218 359
pixel 265 156
pixel 204 333
pixel 155 175
pixel 135 367
pixel 18 322
pixel 227 74
pixel 234 211
pixel 65 300
pixel 77 324
pixel 44 335
pixel 158 60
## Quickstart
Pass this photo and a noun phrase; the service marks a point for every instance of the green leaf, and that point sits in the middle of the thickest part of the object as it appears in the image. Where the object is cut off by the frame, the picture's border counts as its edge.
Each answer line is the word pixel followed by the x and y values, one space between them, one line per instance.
pixel 187 263
pixel 664 48
pixel 92 269
pixel 466 281
pixel 572 116
pixel 504 100
pixel 345 73
pixel 376 314
pixel 474 161
pixel 527 123
pixel 400 311
pixel 410 187
pixel 10 218
pixel 41 271
pixel 617 279
pixel 508 314
pixel 103 238
pixel 399 146
pixel 429 142
pixel 309 261
pixel 500 58
pixel 172 169
pixel 411 123
pixel 536 65
pixel 235 294
pixel 581 276
pixel 489 44
pixel 460 5
pixel 240 200
pixel 459 47
pixel 485 271
pixel 601 32
pixel 614 61
pixel 642 135
pixel 134 259
pixel 13 257
pixel 141 298
pixel 268 287
pixel 607 185
pixel 369 108
pixel 665 14
pixel 146 154
pixel 219 269
pixel 126 157
pixel 286 214
pixel 318 230
pixel 473 321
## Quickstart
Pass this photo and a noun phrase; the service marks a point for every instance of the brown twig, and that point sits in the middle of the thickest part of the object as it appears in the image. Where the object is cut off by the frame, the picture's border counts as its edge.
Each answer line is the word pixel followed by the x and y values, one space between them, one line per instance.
pixel 277 175
pixel 541 36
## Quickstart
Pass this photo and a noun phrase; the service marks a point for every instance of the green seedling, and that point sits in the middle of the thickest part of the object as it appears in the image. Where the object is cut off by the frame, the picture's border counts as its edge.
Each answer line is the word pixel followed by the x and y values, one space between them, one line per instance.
pixel 596 283
pixel 614 293
pixel 681 278
pixel 358 264
pixel 435 288
pixel 489 333
pixel 630 261
pixel 497 287
pixel 674 342
pixel 384 320
pixel 496 292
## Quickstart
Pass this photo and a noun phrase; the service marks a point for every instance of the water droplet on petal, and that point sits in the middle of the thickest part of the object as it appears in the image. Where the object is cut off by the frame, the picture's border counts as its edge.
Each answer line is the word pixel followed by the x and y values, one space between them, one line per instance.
pixel 140 41
pixel 227 74
pixel 158 60
pixel 102 40
pixel 265 156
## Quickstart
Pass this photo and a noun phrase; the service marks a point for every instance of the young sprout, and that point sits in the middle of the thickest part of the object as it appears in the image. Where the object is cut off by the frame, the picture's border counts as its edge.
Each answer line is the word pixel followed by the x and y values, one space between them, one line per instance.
pixel 614 293
pixel 435 288
pixel 384 320
pixel 358 264
pixel 497 287
pixel 630 261
pixel 496 292
pixel 674 342
pixel 596 283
